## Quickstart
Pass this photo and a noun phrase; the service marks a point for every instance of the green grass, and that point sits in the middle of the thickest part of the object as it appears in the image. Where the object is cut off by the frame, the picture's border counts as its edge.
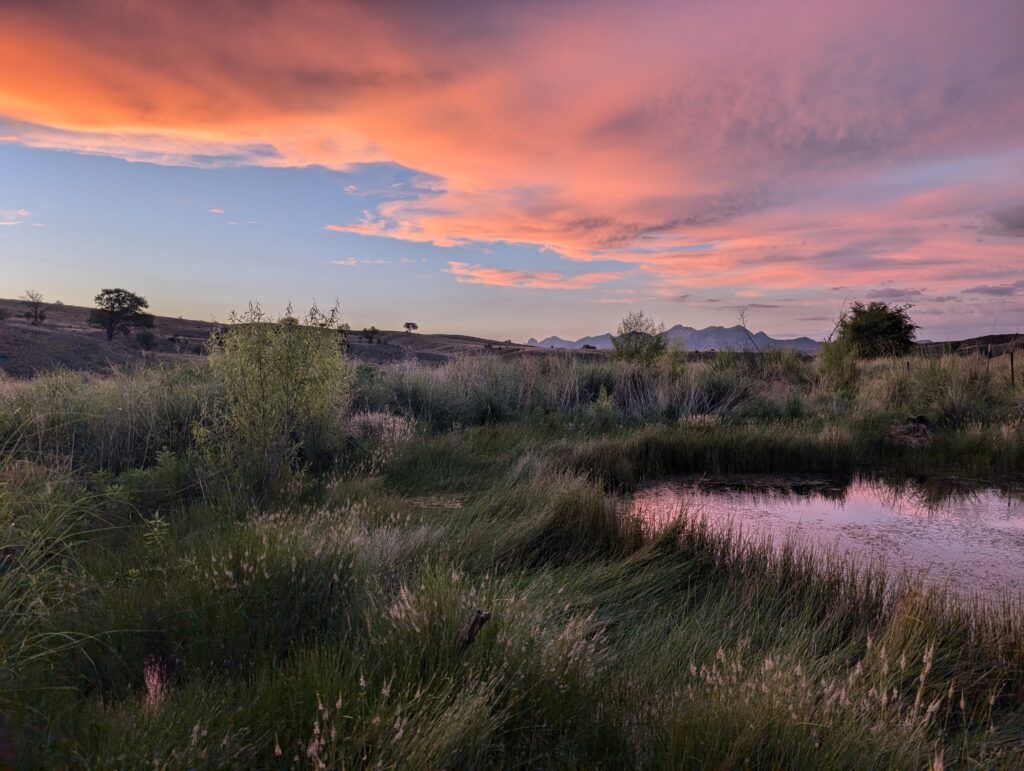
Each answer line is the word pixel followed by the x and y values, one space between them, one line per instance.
pixel 150 617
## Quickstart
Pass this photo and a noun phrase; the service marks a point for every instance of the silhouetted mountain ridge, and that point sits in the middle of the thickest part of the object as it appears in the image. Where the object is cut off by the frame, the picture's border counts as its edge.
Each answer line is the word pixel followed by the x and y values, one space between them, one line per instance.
pixel 708 339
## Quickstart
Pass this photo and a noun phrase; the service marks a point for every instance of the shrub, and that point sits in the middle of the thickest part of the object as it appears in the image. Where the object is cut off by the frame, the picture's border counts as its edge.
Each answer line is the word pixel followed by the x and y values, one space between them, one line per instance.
pixel 639 339
pixel 146 339
pixel 878 329
pixel 284 385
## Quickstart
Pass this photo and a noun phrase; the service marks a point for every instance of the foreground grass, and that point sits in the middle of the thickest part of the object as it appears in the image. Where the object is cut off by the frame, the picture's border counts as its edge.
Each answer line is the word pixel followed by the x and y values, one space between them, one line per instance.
pixel 327 635
pixel 150 620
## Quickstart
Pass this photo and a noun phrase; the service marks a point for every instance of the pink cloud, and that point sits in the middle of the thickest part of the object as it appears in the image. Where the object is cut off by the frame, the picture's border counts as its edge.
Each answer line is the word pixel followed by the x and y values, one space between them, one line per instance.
pixel 812 144
pixel 11 217
pixel 480 274
pixel 215 211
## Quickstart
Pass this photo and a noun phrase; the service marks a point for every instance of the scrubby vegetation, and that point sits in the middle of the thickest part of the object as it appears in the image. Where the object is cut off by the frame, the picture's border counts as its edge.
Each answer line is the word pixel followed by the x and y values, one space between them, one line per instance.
pixel 273 559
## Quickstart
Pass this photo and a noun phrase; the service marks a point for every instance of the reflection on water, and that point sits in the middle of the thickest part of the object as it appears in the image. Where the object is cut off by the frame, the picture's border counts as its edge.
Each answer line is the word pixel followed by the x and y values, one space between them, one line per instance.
pixel 952 532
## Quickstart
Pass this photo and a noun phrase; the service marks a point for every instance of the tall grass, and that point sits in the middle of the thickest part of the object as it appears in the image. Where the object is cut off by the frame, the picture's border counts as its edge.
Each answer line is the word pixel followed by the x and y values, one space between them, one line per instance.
pixel 109 423
pixel 321 622
pixel 330 636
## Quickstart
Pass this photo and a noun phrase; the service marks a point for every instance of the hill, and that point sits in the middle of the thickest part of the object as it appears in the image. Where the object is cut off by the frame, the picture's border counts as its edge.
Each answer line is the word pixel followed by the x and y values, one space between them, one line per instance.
pixel 67 340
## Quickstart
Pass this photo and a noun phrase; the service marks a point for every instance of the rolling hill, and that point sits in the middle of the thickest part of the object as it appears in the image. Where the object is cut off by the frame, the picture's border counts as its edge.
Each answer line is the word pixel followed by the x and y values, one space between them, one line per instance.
pixel 66 340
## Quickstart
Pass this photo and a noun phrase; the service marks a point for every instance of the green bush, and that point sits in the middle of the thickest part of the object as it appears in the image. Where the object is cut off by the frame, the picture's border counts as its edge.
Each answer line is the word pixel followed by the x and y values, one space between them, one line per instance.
pixel 284 387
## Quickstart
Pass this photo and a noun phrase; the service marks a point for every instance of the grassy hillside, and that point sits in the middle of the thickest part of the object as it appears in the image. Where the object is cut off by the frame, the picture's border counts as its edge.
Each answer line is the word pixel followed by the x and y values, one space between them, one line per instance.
pixel 67 340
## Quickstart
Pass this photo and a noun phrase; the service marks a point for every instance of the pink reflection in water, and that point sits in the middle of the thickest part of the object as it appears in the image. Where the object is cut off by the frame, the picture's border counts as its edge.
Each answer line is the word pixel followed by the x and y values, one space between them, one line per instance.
pixel 971 541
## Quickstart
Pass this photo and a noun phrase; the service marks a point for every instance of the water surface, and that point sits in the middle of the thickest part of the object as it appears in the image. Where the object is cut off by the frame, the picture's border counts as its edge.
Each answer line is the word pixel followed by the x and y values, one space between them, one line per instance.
pixel 967 536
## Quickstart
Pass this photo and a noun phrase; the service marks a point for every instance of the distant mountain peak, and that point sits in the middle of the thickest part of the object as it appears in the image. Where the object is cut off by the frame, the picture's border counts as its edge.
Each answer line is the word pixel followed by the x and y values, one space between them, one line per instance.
pixel 713 338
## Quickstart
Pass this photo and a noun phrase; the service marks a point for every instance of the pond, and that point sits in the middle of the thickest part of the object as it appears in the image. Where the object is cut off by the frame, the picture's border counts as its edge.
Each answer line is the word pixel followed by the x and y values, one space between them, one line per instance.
pixel 966 536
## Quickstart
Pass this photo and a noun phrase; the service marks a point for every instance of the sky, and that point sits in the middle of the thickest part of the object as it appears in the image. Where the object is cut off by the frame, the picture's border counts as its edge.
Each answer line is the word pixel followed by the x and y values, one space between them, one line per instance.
pixel 517 169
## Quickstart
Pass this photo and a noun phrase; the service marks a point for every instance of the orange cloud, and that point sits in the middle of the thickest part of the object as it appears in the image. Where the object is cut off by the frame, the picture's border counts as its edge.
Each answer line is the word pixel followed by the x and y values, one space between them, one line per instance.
pixel 480 274
pixel 809 142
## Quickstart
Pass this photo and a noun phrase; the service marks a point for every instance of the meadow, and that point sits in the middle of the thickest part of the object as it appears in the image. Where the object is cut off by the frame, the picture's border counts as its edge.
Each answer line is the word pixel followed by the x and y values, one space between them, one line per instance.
pixel 282 558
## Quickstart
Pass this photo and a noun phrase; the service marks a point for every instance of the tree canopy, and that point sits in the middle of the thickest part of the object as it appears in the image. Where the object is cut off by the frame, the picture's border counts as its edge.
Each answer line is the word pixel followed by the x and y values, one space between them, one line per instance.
pixel 877 329
pixel 117 311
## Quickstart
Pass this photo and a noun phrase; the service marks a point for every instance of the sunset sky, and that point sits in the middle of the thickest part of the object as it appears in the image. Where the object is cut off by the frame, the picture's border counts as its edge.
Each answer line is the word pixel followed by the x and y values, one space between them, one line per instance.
pixel 516 169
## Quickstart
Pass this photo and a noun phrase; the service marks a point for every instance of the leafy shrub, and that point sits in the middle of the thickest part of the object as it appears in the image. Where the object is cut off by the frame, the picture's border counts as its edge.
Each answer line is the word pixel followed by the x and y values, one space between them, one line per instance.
pixel 639 339
pixel 878 329
pixel 284 386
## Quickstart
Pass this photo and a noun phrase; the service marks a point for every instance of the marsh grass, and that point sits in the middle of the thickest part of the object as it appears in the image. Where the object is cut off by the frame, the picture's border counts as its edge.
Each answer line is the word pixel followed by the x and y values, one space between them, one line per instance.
pixel 151 619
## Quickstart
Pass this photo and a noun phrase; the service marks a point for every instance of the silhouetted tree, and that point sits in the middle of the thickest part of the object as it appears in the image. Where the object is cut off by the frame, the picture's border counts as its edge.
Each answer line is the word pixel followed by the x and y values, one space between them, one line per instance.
pixel 639 339
pixel 117 311
pixel 877 329
pixel 411 326
pixel 369 333
pixel 36 313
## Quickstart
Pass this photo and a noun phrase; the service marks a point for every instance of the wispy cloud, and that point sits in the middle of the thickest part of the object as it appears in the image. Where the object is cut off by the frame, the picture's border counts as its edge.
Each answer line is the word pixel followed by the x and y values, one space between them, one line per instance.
pixel 996 290
pixel 893 293
pixel 11 217
pixel 215 210
pixel 480 274
pixel 351 262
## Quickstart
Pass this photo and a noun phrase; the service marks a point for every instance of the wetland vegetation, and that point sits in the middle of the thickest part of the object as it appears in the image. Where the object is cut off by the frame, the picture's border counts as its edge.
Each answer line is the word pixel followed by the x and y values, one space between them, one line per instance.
pixel 278 557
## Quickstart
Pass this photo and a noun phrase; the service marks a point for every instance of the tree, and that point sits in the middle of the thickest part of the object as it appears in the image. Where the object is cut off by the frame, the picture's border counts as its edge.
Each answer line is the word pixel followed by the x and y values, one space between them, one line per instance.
pixel 877 329
pixel 3 315
pixel 369 333
pixel 117 311
pixel 411 326
pixel 639 339
pixel 36 313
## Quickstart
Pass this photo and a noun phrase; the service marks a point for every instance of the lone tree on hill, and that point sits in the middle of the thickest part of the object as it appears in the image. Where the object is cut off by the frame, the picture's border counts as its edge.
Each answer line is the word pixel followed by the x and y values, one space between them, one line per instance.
pixel 411 326
pixel 877 329
pixel 639 339
pixel 117 311
pixel 36 313
pixel 369 333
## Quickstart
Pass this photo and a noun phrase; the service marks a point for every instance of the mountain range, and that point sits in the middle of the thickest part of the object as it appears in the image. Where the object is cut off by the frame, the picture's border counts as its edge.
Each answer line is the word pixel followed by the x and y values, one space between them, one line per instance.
pixel 708 339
